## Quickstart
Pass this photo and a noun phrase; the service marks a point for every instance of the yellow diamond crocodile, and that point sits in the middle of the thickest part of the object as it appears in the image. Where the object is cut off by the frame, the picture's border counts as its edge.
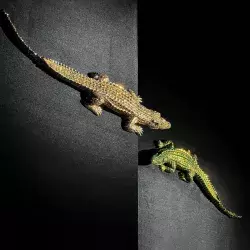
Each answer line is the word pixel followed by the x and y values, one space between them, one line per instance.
pixel 103 93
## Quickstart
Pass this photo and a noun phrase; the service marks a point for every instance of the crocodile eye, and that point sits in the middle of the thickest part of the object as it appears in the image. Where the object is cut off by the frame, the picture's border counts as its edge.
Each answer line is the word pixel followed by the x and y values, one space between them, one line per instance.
pixel 155 122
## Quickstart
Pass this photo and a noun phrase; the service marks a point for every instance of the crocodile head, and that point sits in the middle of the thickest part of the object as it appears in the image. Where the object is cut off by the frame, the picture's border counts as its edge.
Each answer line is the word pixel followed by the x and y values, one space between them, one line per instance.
pixel 158 122
pixel 158 159
pixel 164 151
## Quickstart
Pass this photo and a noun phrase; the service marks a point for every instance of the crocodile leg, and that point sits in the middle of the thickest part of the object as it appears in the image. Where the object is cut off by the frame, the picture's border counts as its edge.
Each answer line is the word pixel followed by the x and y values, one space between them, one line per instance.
pixel 167 168
pixel 182 176
pixel 93 103
pixel 162 144
pixel 190 176
pixel 159 144
pixel 130 125
pixel 186 176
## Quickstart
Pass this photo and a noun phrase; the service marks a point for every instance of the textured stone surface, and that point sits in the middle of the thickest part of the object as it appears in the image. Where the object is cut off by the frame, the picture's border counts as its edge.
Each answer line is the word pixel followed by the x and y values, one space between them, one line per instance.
pixel 70 178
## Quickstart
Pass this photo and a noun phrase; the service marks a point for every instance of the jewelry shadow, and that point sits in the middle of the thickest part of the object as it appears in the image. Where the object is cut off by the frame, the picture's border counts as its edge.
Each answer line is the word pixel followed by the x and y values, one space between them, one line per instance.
pixel 145 156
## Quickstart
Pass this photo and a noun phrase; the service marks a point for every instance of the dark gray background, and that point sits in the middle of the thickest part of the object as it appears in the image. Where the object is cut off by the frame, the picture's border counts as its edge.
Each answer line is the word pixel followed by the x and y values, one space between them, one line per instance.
pixel 69 178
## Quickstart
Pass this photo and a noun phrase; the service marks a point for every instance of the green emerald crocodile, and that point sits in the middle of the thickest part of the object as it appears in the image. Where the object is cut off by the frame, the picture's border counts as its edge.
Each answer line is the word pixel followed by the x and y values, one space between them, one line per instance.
pixel 169 159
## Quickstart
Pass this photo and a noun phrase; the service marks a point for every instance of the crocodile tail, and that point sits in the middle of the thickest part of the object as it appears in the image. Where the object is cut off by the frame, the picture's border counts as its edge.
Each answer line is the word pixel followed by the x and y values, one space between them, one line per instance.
pixel 209 191
pixel 10 31
pixel 225 211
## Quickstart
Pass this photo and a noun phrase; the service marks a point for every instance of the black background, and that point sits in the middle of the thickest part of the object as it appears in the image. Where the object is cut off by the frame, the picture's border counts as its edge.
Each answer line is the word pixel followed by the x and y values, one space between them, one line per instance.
pixel 192 70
